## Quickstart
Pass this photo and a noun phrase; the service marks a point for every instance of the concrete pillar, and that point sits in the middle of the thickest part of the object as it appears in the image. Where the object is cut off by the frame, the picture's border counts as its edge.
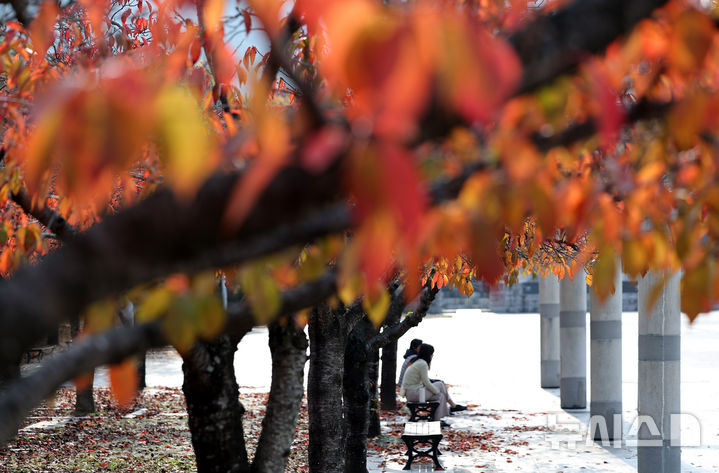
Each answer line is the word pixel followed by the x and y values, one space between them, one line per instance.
pixel 573 342
pixel 659 376
pixel 549 330
pixel 605 334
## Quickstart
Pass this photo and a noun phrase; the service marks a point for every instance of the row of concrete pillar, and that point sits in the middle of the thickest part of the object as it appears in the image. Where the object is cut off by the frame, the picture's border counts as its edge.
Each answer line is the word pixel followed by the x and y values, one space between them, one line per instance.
pixel 563 310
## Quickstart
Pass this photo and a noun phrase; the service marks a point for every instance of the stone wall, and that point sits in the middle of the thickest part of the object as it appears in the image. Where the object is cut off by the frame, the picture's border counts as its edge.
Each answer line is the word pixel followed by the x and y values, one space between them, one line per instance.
pixel 522 297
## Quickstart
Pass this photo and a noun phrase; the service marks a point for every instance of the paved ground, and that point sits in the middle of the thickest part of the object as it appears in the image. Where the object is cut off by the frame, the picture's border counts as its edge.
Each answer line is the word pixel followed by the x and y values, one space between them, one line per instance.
pixel 492 361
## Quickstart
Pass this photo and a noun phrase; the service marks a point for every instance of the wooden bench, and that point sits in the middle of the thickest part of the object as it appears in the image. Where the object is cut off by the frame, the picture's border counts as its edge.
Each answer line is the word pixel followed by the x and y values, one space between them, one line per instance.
pixel 420 411
pixel 422 440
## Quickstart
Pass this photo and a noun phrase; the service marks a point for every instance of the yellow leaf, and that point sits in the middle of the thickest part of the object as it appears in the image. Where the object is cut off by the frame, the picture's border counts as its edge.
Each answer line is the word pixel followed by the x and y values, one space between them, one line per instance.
pixel 100 316
pixel 634 257
pixel 212 318
pixel 698 288
pixel 179 325
pixel 185 140
pixel 154 305
pixel 376 307
pixel 204 283
pixel 261 292
pixel 604 271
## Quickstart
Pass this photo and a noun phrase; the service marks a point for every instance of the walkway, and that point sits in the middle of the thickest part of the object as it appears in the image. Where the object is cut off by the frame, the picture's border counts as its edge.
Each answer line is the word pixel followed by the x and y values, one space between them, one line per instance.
pixel 492 361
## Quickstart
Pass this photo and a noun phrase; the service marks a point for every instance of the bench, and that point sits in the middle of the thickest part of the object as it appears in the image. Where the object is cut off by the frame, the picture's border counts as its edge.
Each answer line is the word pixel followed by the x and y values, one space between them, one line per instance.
pixel 422 440
pixel 422 410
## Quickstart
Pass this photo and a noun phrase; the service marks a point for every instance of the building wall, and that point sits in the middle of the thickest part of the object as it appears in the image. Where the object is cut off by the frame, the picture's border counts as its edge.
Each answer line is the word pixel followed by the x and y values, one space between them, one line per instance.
pixel 522 297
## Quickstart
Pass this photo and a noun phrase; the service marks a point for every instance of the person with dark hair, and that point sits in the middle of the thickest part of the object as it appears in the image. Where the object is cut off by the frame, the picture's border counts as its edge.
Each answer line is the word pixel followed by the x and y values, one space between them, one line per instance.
pixel 409 356
pixel 417 377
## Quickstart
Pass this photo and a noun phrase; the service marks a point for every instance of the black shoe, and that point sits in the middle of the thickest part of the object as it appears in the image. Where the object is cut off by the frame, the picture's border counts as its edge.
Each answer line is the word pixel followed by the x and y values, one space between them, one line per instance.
pixel 457 408
pixel 444 425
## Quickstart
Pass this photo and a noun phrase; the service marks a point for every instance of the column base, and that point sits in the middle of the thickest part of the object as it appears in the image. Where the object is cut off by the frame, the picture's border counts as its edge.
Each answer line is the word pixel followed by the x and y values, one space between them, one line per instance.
pixel 550 373
pixel 573 393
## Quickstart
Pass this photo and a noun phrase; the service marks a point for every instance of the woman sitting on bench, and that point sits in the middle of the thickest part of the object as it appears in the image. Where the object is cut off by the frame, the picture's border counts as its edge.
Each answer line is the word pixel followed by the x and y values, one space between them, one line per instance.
pixel 417 377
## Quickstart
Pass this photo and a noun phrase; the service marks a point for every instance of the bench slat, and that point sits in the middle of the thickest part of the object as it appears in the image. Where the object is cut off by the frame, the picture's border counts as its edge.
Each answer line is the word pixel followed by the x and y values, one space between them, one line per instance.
pixel 422 428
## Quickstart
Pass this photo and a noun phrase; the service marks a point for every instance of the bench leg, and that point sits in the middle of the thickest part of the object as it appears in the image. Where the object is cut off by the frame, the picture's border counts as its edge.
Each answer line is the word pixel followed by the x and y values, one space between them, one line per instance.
pixel 413 452
pixel 435 453
pixel 410 457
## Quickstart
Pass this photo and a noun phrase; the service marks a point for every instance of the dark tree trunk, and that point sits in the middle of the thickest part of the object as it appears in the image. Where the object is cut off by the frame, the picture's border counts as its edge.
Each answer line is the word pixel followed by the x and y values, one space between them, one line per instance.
pixel 389 353
pixel 213 408
pixel 141 371
pixel 357 397
pixel 388 391
pixel 85 399
pixel 324 390
pixel 127 318
pixel 374 428
pixel 289 354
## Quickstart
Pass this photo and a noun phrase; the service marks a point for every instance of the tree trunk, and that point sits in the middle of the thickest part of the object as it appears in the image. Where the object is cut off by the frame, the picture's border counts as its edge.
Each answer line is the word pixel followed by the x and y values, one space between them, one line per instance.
pixel 324 391
pixel 357 398
pixel 289 354
pixel 213 408
pixel 388 390
pixel 85 399
pixel 374 428
pixel 127 318
pixel 141 371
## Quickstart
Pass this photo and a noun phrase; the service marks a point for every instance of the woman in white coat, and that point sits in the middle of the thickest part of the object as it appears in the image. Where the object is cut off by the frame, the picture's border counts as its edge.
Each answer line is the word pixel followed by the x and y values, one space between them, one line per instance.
pixel 416 377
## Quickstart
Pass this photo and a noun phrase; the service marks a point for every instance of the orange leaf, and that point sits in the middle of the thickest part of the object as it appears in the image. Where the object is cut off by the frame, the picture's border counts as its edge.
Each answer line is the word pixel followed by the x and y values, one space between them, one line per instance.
pixel 84 381
pixel 195 50
pixel 123 382
pixel 41 29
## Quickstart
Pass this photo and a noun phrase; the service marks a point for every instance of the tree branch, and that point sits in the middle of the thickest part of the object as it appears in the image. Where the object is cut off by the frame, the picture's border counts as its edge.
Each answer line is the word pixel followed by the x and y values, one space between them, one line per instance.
pixel 114 346
pixel 52 220
pixel 394 332
pixel 556 43
pixel 643 110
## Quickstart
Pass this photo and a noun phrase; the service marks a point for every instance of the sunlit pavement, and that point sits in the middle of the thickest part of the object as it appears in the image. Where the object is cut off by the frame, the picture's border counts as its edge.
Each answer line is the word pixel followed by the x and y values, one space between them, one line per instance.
pixel 492 361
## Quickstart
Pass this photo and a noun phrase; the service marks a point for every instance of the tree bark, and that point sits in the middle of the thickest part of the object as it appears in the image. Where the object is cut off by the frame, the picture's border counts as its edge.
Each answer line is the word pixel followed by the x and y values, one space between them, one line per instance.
pixel 213 408
pixel 388 400
pixel 388 390
pixel 85 399
pixel 141 371
pixel 288 346
pixel 357 397
pixel 324 390
pixel 374 427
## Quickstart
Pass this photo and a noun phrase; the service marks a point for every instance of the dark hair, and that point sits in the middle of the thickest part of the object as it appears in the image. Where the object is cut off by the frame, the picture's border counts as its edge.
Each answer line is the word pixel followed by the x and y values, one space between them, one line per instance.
pixel 425 353
pixel 415 343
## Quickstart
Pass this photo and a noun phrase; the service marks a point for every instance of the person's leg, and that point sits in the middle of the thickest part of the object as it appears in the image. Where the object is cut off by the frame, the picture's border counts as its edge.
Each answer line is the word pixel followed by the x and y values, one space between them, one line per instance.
pixel 444 387
pixel 453 407
pixel 443 409
pixel 412 395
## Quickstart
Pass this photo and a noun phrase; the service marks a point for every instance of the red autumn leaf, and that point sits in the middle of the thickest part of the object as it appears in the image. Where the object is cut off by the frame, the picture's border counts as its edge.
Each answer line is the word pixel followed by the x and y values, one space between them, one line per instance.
pixel 195 50
pixel 322 148
pixel 247 20
pixel 124 17
pixel 403 189
pixel 610 109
